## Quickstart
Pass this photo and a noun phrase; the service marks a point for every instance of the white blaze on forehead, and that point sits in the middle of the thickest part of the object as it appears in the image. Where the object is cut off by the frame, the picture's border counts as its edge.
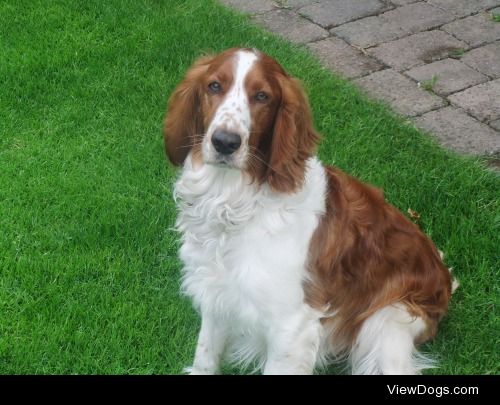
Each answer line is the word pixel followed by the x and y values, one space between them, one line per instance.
pixel 234 112
pixel 245 61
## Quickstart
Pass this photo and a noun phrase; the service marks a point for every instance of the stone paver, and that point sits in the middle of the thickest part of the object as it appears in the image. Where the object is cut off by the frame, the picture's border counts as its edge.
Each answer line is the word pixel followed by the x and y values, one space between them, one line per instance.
pixel 403 2
pixel 368 32
pixel 485 59
pixel 462 8
pixel 291 26
pixel 449 75
pixel 343 58
pixel 395 48
pixel 254 6
pixel 495 124
pixel 400 92
pixel 475 30
pixel 295 3
pixel 459 131
pixel 329 13
pixel 393 24
pixel 482 101
pixel 417 49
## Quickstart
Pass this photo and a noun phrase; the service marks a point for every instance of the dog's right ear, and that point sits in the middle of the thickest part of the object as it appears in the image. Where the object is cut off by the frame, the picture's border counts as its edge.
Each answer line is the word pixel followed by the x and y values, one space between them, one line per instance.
pixel 184 118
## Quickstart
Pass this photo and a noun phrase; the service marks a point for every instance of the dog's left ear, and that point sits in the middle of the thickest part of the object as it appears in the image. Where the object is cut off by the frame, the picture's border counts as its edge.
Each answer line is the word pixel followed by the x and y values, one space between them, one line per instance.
pixel 294 138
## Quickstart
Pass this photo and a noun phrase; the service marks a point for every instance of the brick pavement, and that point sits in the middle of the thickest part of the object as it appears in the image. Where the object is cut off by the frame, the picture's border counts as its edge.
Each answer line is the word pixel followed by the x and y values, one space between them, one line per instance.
pixel 434 61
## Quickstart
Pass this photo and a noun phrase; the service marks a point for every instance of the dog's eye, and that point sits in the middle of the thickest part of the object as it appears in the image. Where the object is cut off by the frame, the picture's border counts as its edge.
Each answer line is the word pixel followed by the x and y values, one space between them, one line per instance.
pixel 261 96
pixel 214 87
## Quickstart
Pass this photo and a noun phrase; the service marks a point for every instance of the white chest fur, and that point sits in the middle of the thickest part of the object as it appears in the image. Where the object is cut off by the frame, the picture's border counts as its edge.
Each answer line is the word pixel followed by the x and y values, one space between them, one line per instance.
pixel 244 247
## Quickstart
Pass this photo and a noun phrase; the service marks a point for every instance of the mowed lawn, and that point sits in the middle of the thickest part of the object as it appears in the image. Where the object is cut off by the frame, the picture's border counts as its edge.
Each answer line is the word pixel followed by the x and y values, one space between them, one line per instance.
pixel 89 275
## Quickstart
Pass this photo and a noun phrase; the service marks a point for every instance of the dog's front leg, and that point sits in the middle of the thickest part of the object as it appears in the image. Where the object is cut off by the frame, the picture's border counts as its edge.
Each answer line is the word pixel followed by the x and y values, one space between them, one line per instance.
pixel 293 347
pixel 211 342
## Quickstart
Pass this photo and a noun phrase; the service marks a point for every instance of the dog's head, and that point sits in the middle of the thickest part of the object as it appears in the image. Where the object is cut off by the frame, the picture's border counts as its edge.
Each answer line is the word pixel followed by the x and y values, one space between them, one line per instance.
pixel 241 110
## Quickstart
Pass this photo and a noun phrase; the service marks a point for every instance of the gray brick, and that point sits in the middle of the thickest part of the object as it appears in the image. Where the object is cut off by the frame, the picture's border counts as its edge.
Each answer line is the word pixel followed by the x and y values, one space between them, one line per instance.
pixel 403 2
pixel 463 8
pixel 485 59
pixel 496 125
pixel 295 3
pixel 460 132
pixel 400 92
pixel 475 30
pixel 343 58
pixel 328 13
pixel 291 26
pixel 368 32
pixel 417 49
pixel 255 6
pixel 451 76
pixel 482 101
pixel 393 24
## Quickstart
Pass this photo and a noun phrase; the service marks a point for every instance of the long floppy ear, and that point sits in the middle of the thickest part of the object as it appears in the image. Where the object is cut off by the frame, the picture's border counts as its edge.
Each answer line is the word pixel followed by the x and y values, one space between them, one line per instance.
pixel 184 118
pixel 294 138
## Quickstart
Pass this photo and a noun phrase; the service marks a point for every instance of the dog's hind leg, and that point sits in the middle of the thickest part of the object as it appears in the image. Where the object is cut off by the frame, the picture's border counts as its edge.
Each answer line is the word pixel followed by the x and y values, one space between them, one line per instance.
pixel 385 343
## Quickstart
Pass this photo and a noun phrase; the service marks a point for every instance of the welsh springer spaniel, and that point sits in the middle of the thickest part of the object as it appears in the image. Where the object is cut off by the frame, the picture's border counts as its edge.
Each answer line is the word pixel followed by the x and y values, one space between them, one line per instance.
pixel 290 263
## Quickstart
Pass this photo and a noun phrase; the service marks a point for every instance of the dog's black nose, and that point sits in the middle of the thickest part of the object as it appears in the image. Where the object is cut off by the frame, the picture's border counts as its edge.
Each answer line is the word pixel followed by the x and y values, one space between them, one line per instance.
pixel 226 142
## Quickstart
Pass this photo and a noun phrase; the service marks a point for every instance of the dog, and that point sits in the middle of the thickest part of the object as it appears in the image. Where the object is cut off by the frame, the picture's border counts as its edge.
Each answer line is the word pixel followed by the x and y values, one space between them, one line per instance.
pixel 290 263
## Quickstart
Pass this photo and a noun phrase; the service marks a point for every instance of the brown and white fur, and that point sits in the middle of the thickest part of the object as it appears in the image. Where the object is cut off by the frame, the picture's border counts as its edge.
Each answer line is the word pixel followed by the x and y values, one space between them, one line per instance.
pixel 290 263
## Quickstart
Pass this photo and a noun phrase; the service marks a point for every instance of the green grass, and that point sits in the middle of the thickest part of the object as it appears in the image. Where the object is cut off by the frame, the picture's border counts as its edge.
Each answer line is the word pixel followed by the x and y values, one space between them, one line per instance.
pixel 457 53
pixel 430 84
pixel 89 277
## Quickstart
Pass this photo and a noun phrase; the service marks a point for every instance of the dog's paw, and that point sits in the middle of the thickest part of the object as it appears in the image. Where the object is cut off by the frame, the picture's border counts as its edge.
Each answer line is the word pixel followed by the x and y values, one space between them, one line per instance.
pixel 195 371
pixel 187 370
